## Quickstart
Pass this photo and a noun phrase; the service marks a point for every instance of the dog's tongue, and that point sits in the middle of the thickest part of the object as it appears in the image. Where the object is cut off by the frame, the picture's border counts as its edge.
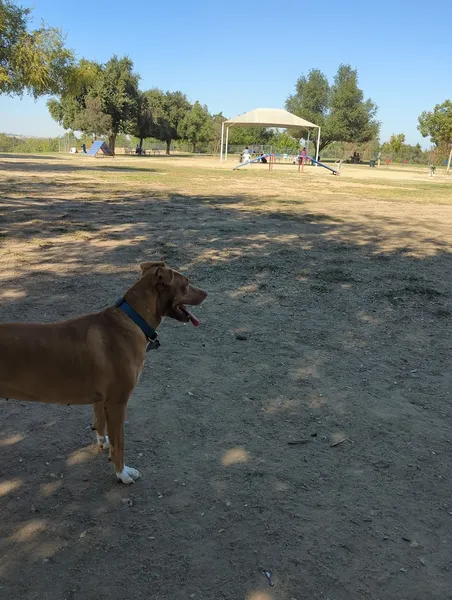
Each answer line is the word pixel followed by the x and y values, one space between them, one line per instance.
pixel 192 317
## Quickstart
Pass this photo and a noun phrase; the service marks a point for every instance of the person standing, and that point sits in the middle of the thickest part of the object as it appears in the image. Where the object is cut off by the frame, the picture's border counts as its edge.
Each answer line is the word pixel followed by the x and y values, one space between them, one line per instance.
pixel 246 155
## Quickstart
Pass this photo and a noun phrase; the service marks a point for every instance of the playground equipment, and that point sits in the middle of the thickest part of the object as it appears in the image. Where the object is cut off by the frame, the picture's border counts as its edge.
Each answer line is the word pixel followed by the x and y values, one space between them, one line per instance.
pixel 248 162
pixel 264 117
pixel 316 162
pixel 99 146
pixel 271 162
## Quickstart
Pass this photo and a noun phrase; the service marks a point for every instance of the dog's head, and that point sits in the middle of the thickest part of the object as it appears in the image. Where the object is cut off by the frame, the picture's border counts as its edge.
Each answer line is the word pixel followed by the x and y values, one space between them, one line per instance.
pixel 174 291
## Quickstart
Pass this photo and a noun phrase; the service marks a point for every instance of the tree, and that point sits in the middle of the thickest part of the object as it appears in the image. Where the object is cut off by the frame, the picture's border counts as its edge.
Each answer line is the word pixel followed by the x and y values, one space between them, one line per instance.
pixel 197 126
pixel 118 93
pixel 30 61
pixel 246 136
pixel 396 143
pixel 168 109
pixel 339 109
pixel 311 102
pixel 143 127
pixel 283 142
pixel 217 121
pixel 438 125
pixel 100 99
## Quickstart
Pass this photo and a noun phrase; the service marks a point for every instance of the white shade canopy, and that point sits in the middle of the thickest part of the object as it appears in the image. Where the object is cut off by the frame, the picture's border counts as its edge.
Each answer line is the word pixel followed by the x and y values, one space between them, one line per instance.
pixel 268 117
pixel 265 117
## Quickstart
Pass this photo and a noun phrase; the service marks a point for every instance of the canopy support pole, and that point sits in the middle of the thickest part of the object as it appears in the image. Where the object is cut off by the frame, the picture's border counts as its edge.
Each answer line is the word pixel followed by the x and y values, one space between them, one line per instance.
pixel 227 142
pixel 222 142
pixel 318 144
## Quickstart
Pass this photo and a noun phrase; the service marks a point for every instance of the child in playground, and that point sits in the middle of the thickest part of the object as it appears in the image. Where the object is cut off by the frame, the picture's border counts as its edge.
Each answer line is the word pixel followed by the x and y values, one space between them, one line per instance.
pixel 246 155
pixel 302 155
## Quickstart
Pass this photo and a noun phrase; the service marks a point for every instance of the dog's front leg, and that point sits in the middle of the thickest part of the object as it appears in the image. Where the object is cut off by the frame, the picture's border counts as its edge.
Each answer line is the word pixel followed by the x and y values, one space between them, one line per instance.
pixel 116 413
pixel 100 424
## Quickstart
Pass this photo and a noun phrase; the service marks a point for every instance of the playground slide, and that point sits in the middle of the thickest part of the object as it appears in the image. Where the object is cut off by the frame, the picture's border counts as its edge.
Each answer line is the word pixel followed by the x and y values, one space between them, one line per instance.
pixel 316 162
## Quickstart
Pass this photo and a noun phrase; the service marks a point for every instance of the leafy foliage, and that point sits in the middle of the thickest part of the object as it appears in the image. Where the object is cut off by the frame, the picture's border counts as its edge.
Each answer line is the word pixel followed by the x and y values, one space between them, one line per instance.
pixel 143 126
pixel 340 109
pixel 168 110
pixel 196 126
pixel 100 99
pixel 438 125
pixel 246 136
pixel 311 102
pixel 10 143
pixel 396 143
pixel 30 61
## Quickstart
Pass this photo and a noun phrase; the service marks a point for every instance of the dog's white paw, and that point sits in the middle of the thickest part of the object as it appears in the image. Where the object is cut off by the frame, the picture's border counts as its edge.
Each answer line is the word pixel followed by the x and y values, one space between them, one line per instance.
pixel 103 441
pixel 128 475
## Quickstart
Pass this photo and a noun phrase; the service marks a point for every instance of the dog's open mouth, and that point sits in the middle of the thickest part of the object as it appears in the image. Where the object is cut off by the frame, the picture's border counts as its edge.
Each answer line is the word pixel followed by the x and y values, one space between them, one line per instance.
pixel 183 314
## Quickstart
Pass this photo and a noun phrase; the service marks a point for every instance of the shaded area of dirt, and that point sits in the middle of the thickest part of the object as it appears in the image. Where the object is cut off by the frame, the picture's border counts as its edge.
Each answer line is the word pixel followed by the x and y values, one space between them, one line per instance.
pixel 344 341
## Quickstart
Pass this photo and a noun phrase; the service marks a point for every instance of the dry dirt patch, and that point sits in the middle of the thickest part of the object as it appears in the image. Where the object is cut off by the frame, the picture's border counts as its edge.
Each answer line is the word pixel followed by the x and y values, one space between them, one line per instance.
pixel 327 324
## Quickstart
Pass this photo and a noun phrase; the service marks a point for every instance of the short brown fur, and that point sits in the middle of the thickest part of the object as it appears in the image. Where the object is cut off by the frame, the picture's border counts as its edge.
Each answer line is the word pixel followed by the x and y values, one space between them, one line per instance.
pixel 94 359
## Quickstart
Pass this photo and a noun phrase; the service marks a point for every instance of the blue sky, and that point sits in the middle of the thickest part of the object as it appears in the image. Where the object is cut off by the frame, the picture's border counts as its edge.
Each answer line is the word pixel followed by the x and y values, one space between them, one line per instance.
pixel 237 56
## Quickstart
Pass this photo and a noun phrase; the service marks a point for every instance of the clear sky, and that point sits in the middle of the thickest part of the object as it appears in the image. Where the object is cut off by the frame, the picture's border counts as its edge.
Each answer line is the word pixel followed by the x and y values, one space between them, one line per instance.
pixel 237 56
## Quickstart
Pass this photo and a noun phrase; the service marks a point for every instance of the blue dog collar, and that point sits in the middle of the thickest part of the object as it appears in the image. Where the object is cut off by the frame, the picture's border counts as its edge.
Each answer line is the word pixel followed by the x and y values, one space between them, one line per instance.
pixel 149 332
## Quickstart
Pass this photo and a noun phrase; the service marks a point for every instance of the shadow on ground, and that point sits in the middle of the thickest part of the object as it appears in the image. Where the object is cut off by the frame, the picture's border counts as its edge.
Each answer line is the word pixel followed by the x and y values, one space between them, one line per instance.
pixel 102 164
pixel 313 332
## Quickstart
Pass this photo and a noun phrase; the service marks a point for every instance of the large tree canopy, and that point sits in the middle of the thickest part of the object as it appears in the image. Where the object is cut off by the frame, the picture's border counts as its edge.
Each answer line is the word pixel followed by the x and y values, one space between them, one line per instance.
pixel 197 126
pixel 143 126
pixel 168 110
pixel 438 125
pixel 30 61
pixel 101 99
pixel 339 109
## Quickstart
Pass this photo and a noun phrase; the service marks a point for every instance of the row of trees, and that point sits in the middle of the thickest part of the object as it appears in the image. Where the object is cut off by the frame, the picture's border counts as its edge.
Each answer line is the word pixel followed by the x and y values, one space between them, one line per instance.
pixel 9 143
pixel 105 99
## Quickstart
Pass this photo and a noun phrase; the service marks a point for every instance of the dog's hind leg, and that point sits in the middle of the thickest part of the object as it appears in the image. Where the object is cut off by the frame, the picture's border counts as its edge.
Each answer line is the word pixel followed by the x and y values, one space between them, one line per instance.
pixel 100 424
pixel 116 414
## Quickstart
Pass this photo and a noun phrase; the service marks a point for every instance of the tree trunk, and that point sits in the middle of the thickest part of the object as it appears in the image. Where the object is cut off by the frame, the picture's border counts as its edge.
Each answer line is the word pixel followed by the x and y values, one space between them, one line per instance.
pixel 168 146
pixel 141 142
pixel 112 142
pixel 194 148
pixel 449 161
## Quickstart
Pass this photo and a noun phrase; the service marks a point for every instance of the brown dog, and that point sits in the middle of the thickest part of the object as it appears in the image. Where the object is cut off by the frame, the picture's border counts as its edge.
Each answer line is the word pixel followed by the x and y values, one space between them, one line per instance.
pixel 96 359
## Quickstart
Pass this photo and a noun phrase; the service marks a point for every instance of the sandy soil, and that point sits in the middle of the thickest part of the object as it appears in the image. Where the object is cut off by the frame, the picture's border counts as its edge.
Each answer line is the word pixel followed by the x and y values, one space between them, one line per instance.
pixel 328 323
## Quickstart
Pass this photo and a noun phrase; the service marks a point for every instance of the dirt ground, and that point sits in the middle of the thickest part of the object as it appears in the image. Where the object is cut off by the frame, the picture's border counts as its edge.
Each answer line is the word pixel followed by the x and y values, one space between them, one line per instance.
pixel 327 323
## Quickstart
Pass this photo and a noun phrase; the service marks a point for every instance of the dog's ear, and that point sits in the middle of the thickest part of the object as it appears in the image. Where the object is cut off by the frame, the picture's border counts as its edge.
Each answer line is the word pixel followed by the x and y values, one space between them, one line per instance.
pixel 164 275
pixel 150 265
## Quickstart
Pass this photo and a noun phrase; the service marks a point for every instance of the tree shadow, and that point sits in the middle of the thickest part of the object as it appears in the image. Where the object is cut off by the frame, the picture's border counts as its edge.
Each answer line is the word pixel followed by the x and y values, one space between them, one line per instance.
pixel 19 156
pixel 315 328
pixel 66 167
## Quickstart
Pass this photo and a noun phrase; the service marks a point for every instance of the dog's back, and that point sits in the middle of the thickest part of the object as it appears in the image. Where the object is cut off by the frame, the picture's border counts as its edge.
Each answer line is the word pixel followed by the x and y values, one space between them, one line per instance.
pixel 67 354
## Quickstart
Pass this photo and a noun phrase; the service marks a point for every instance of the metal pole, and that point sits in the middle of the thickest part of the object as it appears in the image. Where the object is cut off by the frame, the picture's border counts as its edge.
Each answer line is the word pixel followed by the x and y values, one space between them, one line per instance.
pixel 227 142
pixel 222 139
pixel 318 144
